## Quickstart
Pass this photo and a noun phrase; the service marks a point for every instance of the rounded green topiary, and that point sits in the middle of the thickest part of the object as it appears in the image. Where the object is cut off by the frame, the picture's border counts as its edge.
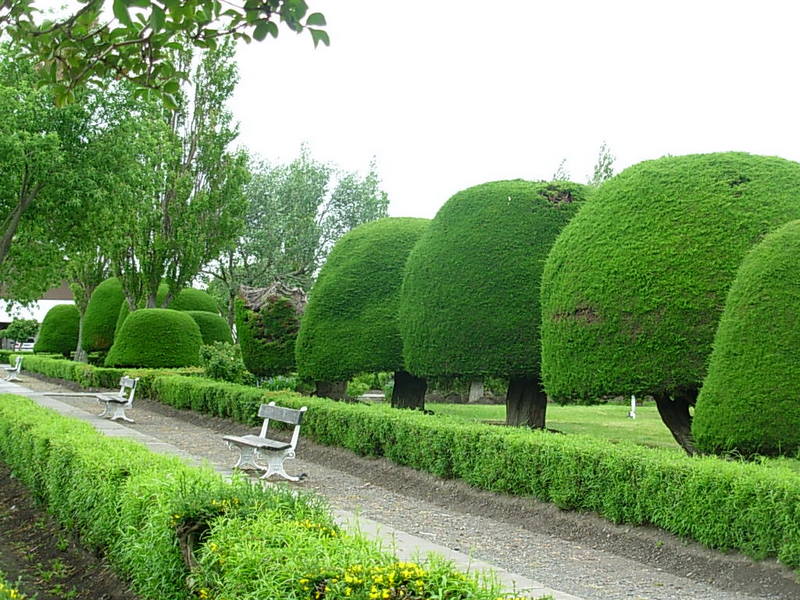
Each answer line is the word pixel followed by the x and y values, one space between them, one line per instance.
pixel 154 338
pixel 267 336
pixel 350 324
pixel 633 288
pixel 59 331
pixel 124 309
pixel 192 299
pixel 469 300
pixel 100 320
pixel 750 400
pixel 213 328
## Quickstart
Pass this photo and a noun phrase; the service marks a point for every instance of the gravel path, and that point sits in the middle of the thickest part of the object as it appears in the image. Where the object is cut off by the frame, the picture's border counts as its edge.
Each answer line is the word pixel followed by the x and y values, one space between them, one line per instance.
pixel 579 554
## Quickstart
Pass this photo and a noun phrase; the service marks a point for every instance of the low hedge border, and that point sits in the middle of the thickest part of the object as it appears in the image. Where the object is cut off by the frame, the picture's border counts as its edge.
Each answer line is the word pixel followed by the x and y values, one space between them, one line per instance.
pixel 180 532
pixel 5 355
pixel 90 376
pixel 752 508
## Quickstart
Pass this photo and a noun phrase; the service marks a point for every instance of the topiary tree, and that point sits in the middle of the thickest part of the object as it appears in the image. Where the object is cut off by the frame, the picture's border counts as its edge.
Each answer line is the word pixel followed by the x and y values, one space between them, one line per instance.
pixel 154 338
pixel 750 400
pixel 633 288
pixel 267 321
pixel 100 320
pixel 350 324
pixel 469 301
pixel 59 331
pixel 213 328
pixel 193 299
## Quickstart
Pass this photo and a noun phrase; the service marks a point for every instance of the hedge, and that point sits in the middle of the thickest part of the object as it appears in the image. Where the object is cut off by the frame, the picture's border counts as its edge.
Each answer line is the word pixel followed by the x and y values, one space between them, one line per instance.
pixel 350 324
pixel 59 331
pixel 156 337
pixel 469 303
pixel 633 288
pixel 148 512
pixel 213 328
pixel 185 300
pixel 699 498
pixel 100 320
pixel 750 400
pixel 267 336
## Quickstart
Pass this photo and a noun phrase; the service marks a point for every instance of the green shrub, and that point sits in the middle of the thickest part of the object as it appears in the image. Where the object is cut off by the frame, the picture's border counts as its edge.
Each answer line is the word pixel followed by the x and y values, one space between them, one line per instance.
pixel 213 328
pixel 470 298
pixel 633 288
pixel 223 361
pixel 350 324
pixel 623 482
pixel 59 331
pixel 190 299
pixel 267 337
pixel 100 320
pixel 20 330
pixel 750 401
pixel 139 508
pixel 156 337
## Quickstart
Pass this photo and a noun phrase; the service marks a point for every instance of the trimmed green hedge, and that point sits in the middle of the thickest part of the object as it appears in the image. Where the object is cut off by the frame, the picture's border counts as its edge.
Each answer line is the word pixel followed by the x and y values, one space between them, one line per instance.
pixel 634 286
pixel 213 328
pixel 59 331
pixel 750 401
pixel 469 304
pixel 350 324
pixel 100 320
pixel 140 508
pixel 624 482
pixel 156 337
pixel 192 299
pixel 267 337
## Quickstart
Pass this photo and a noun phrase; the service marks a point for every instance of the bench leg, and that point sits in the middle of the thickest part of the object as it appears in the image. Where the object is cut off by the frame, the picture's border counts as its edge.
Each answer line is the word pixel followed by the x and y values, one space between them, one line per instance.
pixel 247 457
pixel 275 465
pixel 119 414
pixel 105 409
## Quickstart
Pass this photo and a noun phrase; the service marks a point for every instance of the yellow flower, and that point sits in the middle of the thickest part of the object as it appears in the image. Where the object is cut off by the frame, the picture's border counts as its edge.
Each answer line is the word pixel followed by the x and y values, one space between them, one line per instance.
pixel 348 591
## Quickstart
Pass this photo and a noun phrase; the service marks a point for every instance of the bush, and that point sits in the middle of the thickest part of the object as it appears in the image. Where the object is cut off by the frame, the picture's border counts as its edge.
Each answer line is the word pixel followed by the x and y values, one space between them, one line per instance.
pixel 213 328
pixel 469 304
pixel 20 330
pixel 350 323
pixel 59 331
pixel 633 288
pixel 223 361
pixel 267 337
pixel 100 320
pixel 750 401
pixel 623 482
pixel 140 508
pixel 190 299
pixel 156 337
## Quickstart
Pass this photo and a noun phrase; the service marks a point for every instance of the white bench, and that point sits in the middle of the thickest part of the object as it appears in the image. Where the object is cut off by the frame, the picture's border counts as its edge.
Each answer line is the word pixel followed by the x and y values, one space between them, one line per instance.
pixel 119 401
pixel 254 447
pixel 12 373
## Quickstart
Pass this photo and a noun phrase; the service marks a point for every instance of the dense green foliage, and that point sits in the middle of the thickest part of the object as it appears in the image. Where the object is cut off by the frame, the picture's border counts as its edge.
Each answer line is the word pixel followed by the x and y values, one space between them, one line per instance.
pixel 750 400
pixel 192 299
pixel 156 337
pixel 213 328
pixel 136 507
pixel 100 320
pixel 470 298
pixel 623 482
pixel 59 331
pixel 223 361
pixel 633 288
pixel 350 323
pixel 20 330
pixel 267 337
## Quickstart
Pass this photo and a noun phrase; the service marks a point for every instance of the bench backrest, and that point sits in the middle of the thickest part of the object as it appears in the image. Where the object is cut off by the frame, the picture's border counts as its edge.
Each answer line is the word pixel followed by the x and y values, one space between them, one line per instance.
pixel 18 364
pixel 292 416
pixel 128 383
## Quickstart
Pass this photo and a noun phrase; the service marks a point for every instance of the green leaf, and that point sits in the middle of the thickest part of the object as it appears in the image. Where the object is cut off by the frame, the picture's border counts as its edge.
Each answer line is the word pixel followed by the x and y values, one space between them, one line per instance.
pixel 157 18
pixel 316 20
pixel 121 13
pixel 170 102
pixel 261 31
pixel 172 87
pixel 319 36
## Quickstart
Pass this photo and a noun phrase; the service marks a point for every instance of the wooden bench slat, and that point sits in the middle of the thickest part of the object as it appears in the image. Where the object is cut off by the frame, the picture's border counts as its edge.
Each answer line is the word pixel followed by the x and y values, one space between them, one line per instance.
pixel 257 442
pixel 281 413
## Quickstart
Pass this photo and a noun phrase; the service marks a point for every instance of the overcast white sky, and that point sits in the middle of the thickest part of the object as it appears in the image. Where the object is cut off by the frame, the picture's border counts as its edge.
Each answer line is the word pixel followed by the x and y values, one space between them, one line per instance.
pixel 452 93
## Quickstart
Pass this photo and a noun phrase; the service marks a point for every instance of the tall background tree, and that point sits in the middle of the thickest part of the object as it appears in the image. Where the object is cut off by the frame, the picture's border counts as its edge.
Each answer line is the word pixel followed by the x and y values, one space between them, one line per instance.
pixel 604 167
pixel 295 214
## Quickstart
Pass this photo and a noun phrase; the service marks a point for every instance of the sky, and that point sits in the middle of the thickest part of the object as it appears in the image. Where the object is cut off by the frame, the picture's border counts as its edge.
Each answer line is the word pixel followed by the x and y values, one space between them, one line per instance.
pixel 452 93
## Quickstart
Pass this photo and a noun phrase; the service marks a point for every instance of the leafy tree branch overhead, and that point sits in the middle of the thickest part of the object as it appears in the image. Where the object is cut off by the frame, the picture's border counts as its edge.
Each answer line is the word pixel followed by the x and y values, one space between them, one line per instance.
pixel 105 40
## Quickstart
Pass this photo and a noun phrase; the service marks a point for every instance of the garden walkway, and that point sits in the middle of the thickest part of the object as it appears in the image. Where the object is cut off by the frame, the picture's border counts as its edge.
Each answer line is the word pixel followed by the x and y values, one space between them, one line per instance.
pixel 525 542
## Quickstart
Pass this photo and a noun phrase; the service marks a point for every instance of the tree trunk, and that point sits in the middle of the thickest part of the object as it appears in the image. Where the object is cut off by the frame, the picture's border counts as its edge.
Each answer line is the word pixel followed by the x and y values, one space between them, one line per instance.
pixel 80 353
pixel 475 391
pixel 409 391
pixel 674 411
pixel 335 390
pixel 526 402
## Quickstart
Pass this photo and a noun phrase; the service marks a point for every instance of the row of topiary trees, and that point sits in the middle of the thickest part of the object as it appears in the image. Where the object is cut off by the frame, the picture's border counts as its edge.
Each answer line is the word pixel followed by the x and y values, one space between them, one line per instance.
pixel 632 280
